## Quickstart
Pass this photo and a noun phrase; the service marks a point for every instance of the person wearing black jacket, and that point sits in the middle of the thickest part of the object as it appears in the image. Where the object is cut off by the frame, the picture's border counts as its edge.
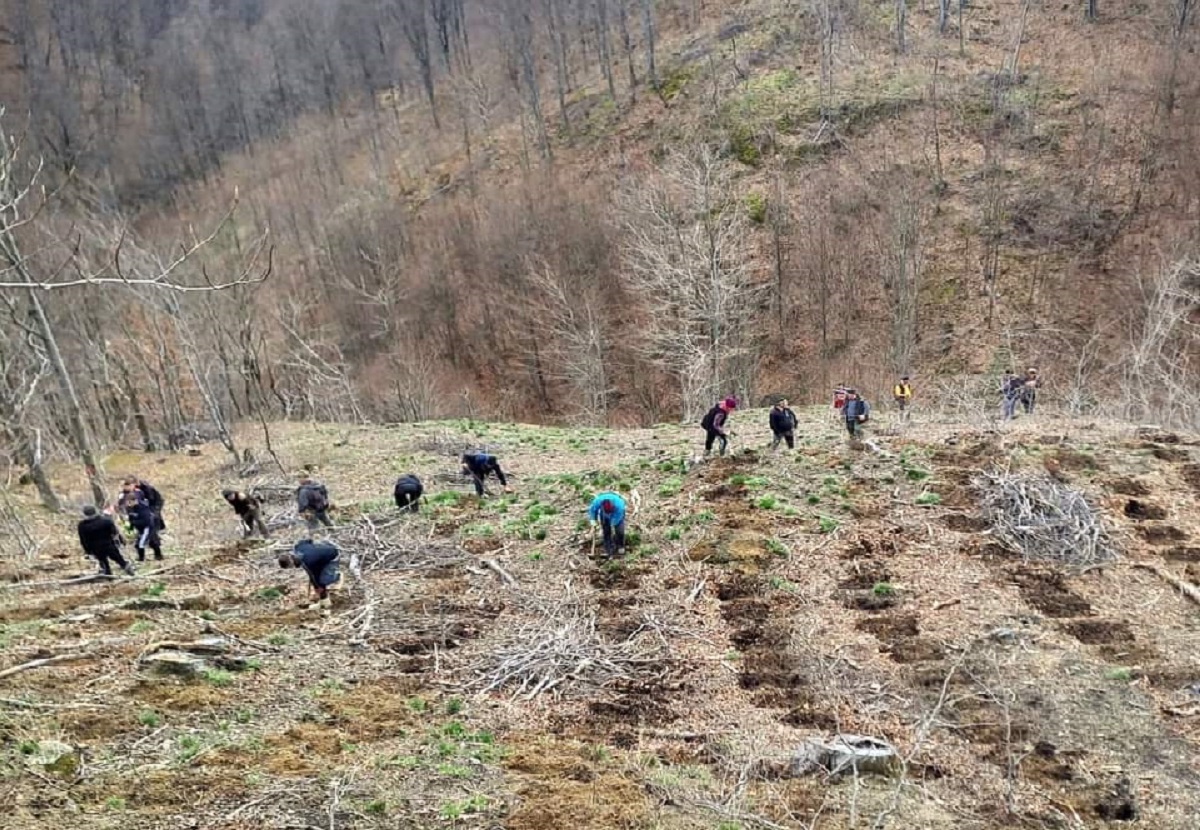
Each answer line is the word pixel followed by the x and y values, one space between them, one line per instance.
pixel 713 425
pixel 408 493
pixel 312 502
pixel 249 510
pixel 479 466
pixel 783 425
pixel 144 523
pixel 151 496
pixel 99 537
pixel 320 561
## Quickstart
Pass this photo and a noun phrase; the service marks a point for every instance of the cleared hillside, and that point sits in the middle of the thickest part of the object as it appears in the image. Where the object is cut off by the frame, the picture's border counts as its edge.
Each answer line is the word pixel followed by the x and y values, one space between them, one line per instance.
pixel 487 671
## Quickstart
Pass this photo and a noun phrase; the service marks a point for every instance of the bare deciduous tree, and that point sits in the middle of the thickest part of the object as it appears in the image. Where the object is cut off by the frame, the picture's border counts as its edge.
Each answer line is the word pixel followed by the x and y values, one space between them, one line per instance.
pixel 688 254
pixel 577 346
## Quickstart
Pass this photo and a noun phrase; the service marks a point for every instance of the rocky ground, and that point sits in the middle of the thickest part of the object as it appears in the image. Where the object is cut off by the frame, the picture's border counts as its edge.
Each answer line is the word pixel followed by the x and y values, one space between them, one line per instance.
pixel 481 668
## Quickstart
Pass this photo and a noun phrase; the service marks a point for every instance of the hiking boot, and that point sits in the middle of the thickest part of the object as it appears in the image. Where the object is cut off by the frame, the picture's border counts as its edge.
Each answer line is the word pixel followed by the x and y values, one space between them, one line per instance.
pixel 129 570
pixel 621 552
pixel 158 556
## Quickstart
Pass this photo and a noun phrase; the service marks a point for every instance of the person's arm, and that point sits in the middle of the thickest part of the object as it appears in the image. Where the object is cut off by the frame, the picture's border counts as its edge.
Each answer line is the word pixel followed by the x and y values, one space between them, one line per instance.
pixel 594 510
pixel 83 540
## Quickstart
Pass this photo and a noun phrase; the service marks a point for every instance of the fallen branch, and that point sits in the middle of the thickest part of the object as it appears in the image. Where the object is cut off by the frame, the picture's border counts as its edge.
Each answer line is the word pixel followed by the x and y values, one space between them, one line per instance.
pixel 494 566
pixel 44 661
pixel 26 704
pixel 1188 590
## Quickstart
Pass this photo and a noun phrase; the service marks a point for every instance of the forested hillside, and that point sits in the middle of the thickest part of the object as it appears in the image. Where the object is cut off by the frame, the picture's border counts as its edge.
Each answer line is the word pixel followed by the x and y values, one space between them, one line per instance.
pixel 588 210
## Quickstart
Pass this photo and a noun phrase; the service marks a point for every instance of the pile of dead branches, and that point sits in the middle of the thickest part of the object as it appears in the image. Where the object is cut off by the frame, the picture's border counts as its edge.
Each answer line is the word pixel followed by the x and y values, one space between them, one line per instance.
pixel 393 544
pixel 559 650
pixel 1041 519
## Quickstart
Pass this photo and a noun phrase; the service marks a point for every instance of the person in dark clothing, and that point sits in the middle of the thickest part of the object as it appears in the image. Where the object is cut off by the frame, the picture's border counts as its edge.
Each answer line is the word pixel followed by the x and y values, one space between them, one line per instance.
pixel 408 493
pixel 100 539
pixel 1010 390
pixel 783 425
pixel 151 496
pixel 856 411
pixel 249 510
pixel 1029 389
pixel 713 425
pixel 144 524
pixel 312 502
pixel 479 466
pixel 320 561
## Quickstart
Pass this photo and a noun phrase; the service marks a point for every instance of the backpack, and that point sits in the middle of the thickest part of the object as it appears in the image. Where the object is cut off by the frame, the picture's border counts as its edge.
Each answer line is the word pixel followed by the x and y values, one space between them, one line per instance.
pixel 707 421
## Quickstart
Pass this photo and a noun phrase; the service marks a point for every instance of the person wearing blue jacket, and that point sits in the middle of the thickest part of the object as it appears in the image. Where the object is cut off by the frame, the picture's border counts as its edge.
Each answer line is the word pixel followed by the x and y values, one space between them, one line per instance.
pixel 320 561
pixel 608 509
pixel 857 411
pixel 479 465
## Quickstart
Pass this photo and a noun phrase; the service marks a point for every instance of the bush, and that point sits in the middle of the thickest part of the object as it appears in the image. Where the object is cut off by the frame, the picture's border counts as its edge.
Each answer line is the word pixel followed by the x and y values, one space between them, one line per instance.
pixel 883 589
pixel 148 717
pixel 756 208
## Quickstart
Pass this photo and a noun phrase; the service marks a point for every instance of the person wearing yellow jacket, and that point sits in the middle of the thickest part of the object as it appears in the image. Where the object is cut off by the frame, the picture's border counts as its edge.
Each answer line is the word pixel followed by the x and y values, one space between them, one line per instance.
pixel 902 394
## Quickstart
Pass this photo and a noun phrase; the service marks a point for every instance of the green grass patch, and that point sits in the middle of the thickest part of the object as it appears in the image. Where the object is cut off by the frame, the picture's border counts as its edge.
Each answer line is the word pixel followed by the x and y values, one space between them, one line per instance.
pixel 766 502
pixel 149 718
pixel 217 677
pixel 928 499
pixel 883 589
pixel 827 524
pixel 268 594
pixel 155 590
pixel 670 487
pixel 776 548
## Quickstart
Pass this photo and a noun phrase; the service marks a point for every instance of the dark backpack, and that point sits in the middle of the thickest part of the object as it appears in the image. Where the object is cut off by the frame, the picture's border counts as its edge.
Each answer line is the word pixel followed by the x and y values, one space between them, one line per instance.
pixel 709 419
pixel 316 498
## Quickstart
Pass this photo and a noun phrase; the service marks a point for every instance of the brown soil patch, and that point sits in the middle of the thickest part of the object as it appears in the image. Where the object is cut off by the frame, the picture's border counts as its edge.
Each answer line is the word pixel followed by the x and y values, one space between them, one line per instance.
pixel 746 550
pixel 890 626
pixel 1047 592
pixel 1046 765
pixel 740 585
pixel 561 788
pixel 1175 455
pixel 1098 632
pixel 868 601
pixel 723 492
pixel 616 577
pixel 482 545
pixel 302 750
pixel 1161 534
pixel 374 710
pixel 915 650
pixel 99 725
pixel 866 548
pixel 867 574
pixel 1183 554
pixel 1127 487
pixel 953 495
pixel 185 696
pixel 963 523
pixel 1191 475
pixel 1140 511
pixel 1069 459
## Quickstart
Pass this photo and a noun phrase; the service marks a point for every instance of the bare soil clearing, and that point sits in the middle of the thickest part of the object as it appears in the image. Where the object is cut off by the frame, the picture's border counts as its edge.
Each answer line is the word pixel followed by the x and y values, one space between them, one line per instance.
pixel 766 600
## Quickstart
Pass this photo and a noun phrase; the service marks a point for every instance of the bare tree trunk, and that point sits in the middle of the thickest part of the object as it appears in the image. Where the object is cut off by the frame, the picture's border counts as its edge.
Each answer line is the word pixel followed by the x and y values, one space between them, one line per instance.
pixel 901 21
pixel 648 34
pixel 79 434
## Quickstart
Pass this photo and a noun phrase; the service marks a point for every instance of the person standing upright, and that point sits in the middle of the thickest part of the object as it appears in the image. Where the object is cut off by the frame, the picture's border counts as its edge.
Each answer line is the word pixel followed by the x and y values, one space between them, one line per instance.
pixel 857 412
pixel 144 523
pixel 783 425
pixel 713 425
pixel 902 394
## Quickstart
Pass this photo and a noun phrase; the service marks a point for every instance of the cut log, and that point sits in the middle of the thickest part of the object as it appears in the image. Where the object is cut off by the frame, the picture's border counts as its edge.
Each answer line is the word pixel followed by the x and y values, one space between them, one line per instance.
pixel 859 754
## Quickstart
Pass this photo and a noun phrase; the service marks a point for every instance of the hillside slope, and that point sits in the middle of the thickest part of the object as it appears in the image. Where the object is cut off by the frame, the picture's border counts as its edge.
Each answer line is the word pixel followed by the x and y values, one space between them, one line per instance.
pixel 486 671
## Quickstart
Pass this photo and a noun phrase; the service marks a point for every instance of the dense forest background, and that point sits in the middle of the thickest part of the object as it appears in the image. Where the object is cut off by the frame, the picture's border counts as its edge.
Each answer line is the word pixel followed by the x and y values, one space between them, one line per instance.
pixel 591 210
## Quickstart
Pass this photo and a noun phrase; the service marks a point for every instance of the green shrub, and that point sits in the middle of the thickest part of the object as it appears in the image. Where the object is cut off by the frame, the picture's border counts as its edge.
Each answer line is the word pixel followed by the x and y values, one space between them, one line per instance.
pixel 776 548
pixel 268 594
pixel 454 705
pixel 148 717
pixel 156 590
pixel 217 677
pixel 375 808
pixel 766 503
pixel 756 208
pixel 674 534
pixel 928 499
pixel 883 589
pixel 670 487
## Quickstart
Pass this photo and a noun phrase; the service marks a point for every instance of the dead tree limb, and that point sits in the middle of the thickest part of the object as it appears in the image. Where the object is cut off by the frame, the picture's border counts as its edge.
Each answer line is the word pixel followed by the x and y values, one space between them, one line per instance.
pixel 1189 591
pixel 44 661
pixel 494 566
